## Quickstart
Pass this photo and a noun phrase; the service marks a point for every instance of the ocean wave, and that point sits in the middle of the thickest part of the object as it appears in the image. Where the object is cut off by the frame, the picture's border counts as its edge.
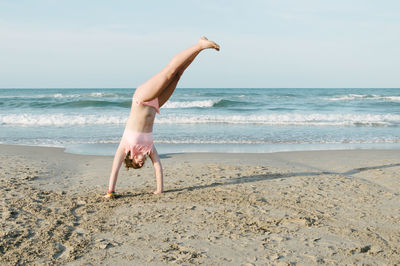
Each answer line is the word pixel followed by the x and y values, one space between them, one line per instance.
pixel 60 120
pixel 288 119
pixel 272 119
pixel 124 103
pixel 51 142
pixel 203 104
pixel 92 94
pixel 103 94
pixel 190 104
pixel 350 97
pixel 91 103
pixel 250 141
pixel 80 103
pixel 66 96
pixel 59 96
pixel 229 103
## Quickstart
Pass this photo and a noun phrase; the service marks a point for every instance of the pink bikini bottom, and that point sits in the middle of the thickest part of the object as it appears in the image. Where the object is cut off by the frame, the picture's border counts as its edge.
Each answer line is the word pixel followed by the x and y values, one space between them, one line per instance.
pixel 153 103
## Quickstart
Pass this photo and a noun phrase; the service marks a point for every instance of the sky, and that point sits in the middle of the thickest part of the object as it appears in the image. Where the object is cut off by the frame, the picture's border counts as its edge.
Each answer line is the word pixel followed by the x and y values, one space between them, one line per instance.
pixel 264 43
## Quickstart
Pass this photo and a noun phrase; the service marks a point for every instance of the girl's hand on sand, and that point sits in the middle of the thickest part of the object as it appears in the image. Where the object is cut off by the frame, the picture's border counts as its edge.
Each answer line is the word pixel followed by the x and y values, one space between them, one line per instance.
pixel 109 196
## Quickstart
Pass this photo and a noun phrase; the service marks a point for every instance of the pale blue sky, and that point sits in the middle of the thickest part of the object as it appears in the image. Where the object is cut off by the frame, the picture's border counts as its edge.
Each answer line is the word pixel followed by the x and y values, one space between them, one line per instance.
pixel 264 43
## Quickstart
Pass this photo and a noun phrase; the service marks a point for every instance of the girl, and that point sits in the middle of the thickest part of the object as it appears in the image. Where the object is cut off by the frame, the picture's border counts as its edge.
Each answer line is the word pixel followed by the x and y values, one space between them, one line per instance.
pixel 137 140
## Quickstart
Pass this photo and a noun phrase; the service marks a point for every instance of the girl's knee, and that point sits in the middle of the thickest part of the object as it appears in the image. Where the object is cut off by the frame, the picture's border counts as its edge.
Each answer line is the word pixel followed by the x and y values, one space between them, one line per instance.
pixel 169 72
pixel 179 73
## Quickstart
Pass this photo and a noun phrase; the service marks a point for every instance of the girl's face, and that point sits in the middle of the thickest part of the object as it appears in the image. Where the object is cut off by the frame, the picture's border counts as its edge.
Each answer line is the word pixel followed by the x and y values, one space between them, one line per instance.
pixel 139 159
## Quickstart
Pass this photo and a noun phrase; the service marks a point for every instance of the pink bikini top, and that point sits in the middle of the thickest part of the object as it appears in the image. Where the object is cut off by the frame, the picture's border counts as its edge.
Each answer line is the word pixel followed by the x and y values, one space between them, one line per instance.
pixel 137 142
pixel 153 103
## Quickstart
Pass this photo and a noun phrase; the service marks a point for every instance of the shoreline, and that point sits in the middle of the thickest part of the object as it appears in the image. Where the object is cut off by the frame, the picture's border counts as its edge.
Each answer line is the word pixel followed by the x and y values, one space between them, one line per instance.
pixel 311 207
pixel 162 148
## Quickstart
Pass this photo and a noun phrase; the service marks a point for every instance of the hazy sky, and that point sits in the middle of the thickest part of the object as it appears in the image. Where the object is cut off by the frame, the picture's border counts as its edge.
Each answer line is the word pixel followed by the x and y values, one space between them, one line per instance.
pixel 264 43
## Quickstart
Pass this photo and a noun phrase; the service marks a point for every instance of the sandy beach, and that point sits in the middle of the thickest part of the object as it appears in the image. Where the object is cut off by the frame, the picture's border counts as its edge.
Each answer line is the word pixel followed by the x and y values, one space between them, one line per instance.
pixel 306 208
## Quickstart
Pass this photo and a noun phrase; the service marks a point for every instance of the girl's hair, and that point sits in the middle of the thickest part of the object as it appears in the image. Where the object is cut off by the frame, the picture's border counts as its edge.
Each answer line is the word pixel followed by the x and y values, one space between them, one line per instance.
pixel 129 163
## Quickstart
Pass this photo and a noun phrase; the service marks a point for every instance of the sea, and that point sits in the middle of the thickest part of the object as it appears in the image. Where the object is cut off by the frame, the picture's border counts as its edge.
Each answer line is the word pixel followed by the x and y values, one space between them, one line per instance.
pixel 228 120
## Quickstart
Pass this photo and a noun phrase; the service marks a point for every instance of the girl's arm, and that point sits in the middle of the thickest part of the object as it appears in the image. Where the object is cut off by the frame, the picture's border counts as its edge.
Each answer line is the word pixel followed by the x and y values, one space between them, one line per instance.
pixel 155 158
pixel 118 159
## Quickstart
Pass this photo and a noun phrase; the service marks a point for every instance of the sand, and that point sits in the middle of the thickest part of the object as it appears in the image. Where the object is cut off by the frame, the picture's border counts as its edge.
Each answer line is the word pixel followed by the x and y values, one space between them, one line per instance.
pixel 306 208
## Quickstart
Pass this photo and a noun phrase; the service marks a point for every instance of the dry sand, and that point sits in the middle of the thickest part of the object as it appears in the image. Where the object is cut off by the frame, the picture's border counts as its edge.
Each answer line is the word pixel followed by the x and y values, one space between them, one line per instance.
pixel 320 207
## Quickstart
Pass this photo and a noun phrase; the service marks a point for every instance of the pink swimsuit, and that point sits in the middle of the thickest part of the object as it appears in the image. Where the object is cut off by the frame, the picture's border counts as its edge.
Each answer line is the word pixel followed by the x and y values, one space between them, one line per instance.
pixel 153 103
pixel 139 142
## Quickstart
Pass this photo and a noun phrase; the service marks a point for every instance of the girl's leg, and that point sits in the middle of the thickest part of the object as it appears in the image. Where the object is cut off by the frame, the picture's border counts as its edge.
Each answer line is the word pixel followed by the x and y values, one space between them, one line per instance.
pixel 154 86
pixel 167 92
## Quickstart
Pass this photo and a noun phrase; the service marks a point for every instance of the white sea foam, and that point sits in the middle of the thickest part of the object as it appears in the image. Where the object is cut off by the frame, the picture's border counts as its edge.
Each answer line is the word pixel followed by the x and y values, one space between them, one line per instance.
pixel 288 119
pixel 97 94
pixel 93 94
pixel 273 119
pixel 247 141
pixel 101 94
pixel 113 141
pixel 60 95
pixel 40 96
pixel 351 97
pixel 190 104
pixel 59 120
pixel 393 98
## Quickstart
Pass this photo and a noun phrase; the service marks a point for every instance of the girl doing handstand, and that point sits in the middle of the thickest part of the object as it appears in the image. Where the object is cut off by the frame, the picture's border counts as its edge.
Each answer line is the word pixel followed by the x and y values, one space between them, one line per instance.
pixel 137 140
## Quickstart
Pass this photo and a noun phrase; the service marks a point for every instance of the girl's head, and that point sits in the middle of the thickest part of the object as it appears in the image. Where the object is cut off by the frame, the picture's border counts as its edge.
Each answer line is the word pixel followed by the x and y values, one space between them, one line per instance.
pixel 135 163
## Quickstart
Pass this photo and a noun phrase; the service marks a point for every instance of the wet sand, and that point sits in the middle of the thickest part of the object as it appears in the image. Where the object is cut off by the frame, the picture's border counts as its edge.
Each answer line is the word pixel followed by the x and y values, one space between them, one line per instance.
pixel 320 207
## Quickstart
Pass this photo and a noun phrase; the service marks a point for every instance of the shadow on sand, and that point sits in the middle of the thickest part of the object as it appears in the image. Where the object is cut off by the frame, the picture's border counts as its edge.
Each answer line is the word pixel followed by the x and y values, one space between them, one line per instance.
pixel 257 178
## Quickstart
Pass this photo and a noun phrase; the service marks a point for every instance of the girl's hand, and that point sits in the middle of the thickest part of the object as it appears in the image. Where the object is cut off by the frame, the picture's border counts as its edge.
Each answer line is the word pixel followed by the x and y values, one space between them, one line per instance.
pixel 107 196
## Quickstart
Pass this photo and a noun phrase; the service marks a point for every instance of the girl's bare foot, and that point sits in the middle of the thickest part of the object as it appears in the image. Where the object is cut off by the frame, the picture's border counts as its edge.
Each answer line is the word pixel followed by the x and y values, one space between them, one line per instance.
pixel 207 44
pixel 155 192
